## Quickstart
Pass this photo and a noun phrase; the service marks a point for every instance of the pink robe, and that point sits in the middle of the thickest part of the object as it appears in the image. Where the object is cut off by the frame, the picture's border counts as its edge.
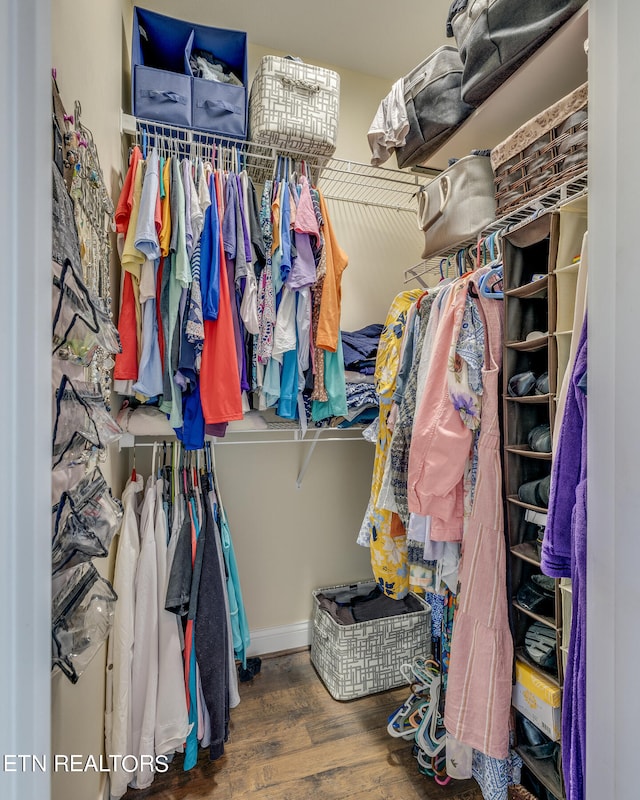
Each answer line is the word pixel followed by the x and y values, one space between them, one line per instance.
pixel 478 702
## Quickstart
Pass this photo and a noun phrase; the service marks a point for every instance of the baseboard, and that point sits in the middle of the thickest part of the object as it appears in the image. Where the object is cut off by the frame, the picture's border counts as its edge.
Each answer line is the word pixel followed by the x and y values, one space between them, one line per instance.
pixel 283 637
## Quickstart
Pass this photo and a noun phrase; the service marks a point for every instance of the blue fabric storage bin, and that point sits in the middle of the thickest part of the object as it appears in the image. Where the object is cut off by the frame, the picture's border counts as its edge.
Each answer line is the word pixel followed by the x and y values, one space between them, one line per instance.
pixel 220 107
pixel 162 96
pixel 163 86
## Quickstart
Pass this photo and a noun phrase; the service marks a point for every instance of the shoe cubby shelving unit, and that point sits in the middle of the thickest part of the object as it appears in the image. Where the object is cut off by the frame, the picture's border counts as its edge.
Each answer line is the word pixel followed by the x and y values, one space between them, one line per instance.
pixel 530 308
pixel 530 294
pixel 541 262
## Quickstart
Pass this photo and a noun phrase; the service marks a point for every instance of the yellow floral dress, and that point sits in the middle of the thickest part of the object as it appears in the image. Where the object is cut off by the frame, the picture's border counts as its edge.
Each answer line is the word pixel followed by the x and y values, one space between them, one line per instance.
pixel 388 552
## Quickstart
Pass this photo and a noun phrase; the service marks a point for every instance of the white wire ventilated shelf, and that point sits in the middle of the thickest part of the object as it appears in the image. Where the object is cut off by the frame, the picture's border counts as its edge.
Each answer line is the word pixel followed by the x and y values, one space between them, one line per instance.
pixel 339 179
pixel 276 432
pixel 354 182
pixel 550 201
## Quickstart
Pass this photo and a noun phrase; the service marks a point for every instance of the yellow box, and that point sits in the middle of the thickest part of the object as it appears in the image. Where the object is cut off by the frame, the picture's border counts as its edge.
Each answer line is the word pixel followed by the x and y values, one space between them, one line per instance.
pixel 543 688
pixel 538 699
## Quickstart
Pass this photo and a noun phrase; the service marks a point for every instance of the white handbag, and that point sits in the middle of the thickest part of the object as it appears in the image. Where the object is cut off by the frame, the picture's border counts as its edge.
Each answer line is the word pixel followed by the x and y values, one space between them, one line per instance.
pixel 456 205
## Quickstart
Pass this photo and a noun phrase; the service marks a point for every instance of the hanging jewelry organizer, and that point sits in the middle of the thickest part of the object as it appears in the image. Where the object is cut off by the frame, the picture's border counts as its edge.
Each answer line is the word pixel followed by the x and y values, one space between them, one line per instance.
pixel 85 516
pixel 94 216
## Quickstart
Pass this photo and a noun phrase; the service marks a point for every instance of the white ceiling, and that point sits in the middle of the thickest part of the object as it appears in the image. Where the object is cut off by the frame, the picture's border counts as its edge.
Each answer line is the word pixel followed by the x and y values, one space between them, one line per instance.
pixel 385 39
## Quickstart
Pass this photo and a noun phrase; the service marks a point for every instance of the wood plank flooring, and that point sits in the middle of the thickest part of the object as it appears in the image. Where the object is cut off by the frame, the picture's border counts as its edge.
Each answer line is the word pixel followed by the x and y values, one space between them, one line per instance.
pixel 290 740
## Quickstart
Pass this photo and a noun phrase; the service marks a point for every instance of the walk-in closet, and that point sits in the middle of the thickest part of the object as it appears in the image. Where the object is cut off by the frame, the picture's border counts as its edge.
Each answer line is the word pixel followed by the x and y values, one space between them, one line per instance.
pixel 318 446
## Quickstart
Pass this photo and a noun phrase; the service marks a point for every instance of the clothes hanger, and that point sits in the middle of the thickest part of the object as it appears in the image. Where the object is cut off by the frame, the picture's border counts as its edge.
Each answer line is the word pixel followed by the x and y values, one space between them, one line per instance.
pixel 422 296
pixel 419 674
pixel 145 143
pixel 196 478
pixel 175 486
pixel 207 457
pixel 445 279
pixel 461 262
pixel 134 475
pixel 427 737
pixel 153 458
pixel 493 277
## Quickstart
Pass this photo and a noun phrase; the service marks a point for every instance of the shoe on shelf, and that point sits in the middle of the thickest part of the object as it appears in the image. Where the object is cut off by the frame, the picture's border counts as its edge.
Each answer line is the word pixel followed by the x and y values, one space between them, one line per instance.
pixel 536 493
pixel 521 384
pixel 539 438
pixel 537 594
pixel 540 645
pixel 542 384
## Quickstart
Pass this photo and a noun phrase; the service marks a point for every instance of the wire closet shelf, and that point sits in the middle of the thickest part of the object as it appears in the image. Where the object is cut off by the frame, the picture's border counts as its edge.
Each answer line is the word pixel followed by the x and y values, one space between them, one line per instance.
pixel 339 179
pixel 552 200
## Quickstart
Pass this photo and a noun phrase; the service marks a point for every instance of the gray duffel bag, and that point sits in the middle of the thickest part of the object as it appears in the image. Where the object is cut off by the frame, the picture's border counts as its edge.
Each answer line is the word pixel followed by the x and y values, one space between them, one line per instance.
pixel 434 106
pixel 494 37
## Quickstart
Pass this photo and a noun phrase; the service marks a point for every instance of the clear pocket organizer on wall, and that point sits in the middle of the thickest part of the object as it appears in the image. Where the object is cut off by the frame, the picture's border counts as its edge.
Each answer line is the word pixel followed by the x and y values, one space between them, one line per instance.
pixel 85 521
pixel 82 423
pixel 80 326
pixel 83 612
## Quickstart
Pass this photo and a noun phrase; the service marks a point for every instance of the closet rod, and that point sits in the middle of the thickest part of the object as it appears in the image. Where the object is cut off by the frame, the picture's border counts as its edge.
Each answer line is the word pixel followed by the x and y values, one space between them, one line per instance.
pixel 218 441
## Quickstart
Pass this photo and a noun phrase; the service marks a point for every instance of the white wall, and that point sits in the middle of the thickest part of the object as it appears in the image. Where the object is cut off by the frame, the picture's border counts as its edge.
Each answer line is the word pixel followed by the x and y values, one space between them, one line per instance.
pixel 25 400
pixel 613 555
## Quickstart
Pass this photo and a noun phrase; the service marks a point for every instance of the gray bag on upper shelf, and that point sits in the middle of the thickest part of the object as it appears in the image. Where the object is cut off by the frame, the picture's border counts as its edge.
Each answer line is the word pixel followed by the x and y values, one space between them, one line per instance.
pixel 495 37
pixel 456 205
pixel 434 106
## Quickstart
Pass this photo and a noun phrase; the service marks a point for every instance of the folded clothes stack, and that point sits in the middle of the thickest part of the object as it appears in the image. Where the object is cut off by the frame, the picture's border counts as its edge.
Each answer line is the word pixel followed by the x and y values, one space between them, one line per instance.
pixel 360 348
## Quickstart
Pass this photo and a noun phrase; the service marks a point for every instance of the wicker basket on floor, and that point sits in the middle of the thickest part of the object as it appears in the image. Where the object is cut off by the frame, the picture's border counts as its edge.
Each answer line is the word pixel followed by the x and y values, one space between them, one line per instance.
pixel 546 151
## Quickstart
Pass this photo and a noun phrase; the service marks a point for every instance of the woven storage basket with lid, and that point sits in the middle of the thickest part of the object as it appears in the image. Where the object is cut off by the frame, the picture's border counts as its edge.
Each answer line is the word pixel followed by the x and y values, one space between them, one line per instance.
pixel 548 150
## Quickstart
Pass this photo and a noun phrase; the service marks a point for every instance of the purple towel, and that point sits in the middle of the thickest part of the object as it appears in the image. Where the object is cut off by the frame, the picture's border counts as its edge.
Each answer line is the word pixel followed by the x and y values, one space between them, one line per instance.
pixel 564 553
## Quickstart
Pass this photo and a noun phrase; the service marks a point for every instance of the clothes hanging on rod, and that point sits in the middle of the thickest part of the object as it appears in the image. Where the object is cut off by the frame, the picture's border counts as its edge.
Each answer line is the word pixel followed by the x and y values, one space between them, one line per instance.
pixel 180 622
pixel 388 549
pixel 227 300
pixel 437 478
pixel 395 362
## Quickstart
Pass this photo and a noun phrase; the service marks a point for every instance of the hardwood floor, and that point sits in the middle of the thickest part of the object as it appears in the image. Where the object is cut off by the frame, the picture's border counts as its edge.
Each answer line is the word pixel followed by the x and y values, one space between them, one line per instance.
pixel 290 740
